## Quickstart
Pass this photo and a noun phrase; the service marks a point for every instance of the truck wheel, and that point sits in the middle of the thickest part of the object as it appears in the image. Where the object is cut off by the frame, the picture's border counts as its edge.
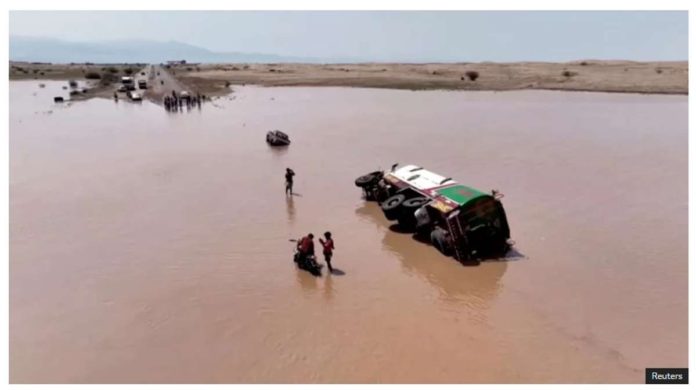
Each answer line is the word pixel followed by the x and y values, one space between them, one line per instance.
pixel 407 216
pixel 369 179
pixel 392 206
pixel 415 203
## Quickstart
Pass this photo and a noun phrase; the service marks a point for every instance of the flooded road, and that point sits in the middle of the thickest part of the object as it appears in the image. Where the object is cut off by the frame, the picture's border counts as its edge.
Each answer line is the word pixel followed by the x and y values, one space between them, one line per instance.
pixel 151 247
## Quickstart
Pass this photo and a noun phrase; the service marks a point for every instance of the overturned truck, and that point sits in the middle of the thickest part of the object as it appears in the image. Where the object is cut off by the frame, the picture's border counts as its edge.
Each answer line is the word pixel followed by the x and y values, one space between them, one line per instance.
pixel 459 221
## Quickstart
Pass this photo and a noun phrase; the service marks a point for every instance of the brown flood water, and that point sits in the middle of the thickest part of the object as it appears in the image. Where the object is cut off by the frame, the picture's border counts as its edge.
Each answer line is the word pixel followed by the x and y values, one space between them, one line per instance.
pixel 153 247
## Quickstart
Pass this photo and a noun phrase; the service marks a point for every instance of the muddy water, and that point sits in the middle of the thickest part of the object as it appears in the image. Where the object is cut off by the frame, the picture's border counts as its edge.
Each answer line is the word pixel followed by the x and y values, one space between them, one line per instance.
pixel 153 247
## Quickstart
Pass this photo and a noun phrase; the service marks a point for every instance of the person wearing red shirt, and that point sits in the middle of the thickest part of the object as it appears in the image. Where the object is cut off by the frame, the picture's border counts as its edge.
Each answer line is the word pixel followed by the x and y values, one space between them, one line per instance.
pixel 305 246
pixel 328 249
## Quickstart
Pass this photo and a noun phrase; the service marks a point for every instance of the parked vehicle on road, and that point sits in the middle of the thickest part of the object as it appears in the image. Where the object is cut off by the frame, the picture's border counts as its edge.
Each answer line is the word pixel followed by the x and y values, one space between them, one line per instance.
pixel 142 84
pixel 458 220
pixel 135 96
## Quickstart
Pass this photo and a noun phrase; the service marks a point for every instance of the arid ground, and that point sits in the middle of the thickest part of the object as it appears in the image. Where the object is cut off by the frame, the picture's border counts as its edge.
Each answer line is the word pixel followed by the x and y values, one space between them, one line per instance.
pixel 215 79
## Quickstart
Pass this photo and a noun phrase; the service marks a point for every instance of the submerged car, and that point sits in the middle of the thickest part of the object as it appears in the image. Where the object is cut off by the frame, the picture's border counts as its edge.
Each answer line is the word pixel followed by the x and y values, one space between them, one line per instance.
pixel 458 220
pixel 277 138
pixel 308 263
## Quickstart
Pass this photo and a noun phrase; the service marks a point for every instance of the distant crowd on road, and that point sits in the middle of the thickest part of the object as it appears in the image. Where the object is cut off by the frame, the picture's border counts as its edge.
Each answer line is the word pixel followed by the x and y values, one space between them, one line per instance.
pixel 177 102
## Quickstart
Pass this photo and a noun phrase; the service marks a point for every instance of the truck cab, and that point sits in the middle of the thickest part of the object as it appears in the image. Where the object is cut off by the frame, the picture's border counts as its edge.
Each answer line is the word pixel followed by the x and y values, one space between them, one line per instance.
pixel 128 82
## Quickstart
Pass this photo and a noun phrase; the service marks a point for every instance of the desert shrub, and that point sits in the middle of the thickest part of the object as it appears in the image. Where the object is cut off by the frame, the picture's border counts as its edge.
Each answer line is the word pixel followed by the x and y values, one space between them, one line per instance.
pixel 271 70
pixel 107 79
pixel 227 84
pixel 567 73
pixel 189 68
pixel 245 67
pixel 112 70
pixel 36 71
pixel 93 76
pixel 658 71
pixel 584 63
pixel 436 73
pixel 42 73
pixel 235 68
pixel 472 75
pixel 128 71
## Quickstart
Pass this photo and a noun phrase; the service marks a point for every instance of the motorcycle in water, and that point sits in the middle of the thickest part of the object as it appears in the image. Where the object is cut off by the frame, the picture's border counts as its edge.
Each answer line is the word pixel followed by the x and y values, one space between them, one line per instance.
pixel 308 263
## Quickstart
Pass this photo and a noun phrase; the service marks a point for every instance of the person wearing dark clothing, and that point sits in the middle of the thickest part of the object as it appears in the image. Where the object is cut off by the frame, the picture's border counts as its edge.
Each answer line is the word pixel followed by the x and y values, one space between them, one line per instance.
pixel 328 249
pixel 289 173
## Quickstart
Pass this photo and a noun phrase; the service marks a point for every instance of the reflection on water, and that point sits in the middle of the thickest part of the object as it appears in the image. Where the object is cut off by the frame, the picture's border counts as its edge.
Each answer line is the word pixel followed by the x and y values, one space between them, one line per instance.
pixel 454 281
pixel 290 206
pixel 328 287
pixel 309 282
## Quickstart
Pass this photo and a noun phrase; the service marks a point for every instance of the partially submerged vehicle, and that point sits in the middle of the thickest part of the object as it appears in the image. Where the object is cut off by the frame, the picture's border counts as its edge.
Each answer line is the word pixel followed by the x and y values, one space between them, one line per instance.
pixel 309 263
pixel 277 138
pixel 458 220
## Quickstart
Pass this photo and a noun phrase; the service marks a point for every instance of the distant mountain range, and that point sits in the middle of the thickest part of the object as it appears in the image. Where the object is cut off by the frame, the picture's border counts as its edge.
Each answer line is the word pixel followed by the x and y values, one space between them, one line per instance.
pixel 34 49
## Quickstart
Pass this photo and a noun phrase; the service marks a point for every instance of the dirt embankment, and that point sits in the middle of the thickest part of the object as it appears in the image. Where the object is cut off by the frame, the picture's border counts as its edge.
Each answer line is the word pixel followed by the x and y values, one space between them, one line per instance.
pixel 215 79
pixel 600 76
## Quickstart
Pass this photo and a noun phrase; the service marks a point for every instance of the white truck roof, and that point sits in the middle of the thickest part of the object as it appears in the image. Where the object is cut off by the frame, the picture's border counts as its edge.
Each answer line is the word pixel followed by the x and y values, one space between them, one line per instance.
pixel 420 178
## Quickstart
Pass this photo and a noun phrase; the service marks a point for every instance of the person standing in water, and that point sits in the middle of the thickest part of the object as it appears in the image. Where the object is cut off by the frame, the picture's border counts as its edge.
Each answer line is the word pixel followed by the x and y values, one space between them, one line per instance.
pixel 289 173
pixel 328 249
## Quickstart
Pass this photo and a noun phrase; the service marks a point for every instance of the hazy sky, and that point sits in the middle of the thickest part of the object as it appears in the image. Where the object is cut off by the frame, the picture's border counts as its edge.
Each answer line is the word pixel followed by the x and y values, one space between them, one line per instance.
pixel 386 36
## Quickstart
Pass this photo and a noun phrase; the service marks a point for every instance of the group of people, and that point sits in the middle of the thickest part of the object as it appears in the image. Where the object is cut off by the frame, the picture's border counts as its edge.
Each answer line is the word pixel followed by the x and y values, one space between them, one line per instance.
pixel 305 245
pixel 177 102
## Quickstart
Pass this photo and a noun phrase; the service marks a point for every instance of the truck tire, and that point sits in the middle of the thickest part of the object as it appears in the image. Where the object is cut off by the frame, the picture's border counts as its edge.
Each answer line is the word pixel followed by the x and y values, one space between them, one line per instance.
pixel 407 217
pixel 392 206
pixel 415 203
pixel 368 180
